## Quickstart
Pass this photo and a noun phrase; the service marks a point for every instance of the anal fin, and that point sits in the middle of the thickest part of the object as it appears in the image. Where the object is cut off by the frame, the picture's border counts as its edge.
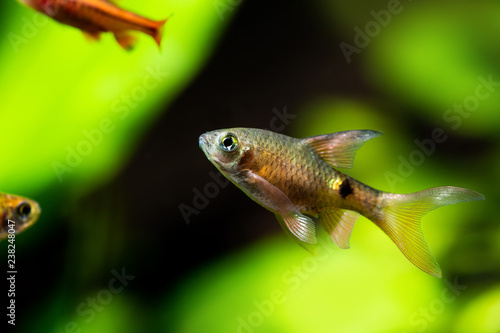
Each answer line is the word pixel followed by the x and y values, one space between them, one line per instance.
pixel 92 36
pixel 125 40
pixel 339 223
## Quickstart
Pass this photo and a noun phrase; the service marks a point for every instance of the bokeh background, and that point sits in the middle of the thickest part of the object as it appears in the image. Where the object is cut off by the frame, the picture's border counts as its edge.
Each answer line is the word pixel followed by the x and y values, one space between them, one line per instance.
pixel 107 142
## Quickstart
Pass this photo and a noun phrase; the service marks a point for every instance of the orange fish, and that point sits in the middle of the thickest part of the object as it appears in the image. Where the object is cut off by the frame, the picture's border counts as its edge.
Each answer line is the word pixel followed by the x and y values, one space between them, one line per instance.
pixel 96 16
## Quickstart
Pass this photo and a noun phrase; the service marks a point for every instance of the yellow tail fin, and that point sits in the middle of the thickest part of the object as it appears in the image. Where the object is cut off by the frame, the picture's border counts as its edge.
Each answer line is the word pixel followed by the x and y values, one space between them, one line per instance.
pixel 400 218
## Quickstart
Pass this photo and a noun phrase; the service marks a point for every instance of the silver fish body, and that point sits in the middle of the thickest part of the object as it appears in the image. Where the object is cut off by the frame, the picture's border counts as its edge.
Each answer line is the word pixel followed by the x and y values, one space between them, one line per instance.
pixel 296 180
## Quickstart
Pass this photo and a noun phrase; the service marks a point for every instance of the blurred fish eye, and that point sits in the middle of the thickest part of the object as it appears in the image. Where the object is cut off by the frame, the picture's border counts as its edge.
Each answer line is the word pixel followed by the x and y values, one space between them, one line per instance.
pixel 23 210
pixel 229 142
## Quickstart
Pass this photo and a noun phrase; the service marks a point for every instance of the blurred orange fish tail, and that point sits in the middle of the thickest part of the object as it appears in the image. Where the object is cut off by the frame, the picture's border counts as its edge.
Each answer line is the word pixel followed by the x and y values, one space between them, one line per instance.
pixel 158 35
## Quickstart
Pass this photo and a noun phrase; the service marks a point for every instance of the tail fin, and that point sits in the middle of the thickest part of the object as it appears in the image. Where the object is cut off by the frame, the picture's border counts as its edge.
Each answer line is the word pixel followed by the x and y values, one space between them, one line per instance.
pixel 400 217
pixel 158 34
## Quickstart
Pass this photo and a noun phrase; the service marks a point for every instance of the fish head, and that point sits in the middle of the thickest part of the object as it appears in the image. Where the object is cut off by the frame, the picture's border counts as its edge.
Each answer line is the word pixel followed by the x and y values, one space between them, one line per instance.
pixel 22 213
pixel 228 149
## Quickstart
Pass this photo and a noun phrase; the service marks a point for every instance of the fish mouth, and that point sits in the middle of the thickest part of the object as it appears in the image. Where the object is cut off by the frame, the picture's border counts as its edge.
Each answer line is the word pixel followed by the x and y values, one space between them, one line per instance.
pixel 202 142
pixel 38 210
pixel 205 145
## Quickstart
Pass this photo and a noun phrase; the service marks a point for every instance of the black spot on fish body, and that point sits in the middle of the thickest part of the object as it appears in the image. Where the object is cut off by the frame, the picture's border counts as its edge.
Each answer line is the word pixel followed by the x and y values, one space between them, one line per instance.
pixel 345 189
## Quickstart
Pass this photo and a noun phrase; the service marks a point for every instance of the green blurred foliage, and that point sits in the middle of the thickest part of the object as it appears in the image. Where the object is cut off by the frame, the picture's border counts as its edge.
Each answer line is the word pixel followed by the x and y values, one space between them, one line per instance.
pixel 52 96
pixel 72 112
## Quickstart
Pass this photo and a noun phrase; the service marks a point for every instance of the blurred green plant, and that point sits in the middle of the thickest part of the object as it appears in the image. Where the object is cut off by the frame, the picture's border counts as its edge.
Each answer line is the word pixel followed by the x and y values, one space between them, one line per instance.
pixel 72 112
pixel 63 96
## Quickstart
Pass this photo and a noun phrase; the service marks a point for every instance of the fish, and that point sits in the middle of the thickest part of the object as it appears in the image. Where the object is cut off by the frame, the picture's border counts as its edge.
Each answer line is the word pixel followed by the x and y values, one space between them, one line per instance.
pixel 298 181
pixel 17 213
pixel 94 17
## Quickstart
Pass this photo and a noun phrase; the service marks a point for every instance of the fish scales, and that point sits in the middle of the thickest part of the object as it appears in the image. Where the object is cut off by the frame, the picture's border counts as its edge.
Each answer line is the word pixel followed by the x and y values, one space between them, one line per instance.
pixel 310 183
pixel 297 179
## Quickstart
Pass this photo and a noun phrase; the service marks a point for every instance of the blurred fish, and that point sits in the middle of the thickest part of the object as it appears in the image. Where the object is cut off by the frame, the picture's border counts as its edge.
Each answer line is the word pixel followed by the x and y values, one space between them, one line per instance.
pixel 294 178
pixel 22 213
pixel 96 16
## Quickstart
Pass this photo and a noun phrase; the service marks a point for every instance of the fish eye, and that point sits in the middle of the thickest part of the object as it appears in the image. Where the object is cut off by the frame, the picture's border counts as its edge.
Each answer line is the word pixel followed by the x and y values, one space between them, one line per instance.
pixel 228 142
pixel 23 210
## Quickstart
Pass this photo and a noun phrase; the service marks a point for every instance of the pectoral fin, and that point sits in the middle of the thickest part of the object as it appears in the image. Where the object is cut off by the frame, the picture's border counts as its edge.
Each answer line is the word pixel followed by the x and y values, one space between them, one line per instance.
pixel 339 223
pixel 301 226
pixel 311 248
pixel 339 149
pixel 270 197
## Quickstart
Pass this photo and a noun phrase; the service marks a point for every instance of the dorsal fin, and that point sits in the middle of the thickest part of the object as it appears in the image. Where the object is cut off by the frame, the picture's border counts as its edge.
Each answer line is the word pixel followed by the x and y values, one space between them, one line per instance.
pixel 339 149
